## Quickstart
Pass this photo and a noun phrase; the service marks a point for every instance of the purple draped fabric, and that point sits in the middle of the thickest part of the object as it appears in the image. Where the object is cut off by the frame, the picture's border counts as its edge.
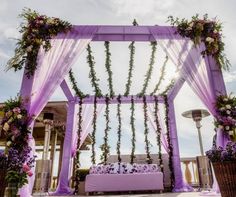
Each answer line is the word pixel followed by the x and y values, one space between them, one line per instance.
pixel 197 71
pixel 52 68
pixel 151 118
pixel 87 115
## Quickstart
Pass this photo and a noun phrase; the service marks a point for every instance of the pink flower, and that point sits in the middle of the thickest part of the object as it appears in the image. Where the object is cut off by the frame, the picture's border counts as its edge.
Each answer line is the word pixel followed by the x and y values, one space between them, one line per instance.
pixel 26 168
pixel 16 110
pixel 30 173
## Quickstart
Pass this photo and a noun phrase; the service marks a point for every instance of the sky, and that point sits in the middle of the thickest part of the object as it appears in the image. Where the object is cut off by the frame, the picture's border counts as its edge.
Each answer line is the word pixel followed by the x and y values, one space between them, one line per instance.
pixel 122 12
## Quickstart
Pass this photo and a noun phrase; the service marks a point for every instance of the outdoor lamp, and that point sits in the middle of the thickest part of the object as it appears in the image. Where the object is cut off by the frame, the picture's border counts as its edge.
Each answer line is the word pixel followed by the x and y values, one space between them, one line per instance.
pixel 197 115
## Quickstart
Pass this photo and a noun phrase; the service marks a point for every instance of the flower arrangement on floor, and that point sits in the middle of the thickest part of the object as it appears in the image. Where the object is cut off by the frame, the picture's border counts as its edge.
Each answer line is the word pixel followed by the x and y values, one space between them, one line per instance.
pixel 17 152
pixel 36 32
pixel 204 30
pixel 224 159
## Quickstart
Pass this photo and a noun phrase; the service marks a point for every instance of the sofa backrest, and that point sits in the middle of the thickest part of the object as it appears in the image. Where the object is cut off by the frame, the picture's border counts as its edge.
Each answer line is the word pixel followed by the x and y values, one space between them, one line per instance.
pixel 141 158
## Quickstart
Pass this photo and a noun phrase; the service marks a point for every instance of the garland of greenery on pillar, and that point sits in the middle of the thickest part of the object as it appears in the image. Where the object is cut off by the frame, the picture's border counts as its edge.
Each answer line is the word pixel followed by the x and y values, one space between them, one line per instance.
pixel 92 73
pixel 77 160
pixel 132 119
pixel 158 132
pixel 108 67
pixel 131 64
pixel 93 156
pixel 146 131
pixel 105 148
pixel 150 69
pixel 78 92
pixel 170 146
pixel 119 128
pixel 161 77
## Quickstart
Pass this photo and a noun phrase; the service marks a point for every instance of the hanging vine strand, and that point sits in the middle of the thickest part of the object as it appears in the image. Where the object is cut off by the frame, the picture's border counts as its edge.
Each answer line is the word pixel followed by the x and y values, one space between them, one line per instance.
pixel 146 131
pixel 108 67
pixel 170 146
pixel 93 156
pixel 168 87
pixel 119 128
pixel 92 73
pixel 132 119
pixel 161 77
pixel 75 87
pixel 158 132
pixel 105 147
pixel 131 64
pixel 150 69
pixel 77 157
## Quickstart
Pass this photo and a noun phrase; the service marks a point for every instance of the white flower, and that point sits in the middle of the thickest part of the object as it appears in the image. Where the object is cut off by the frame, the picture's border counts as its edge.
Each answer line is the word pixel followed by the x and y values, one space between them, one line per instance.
pixel 220 127
pixel 29 48
pixel 227 127
pixel 191 24
pixel 228 111
pixel 189 28
pixel 19 116
pixel 222 108
pixel 9 143
pixel 6 127
pixel 231 132
pixel 13 138
pixel 228 106
pixel 210 40
pixel 225 99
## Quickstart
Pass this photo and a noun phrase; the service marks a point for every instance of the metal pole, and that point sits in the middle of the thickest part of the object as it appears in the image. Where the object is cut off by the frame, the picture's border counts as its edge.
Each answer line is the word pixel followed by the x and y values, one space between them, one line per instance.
pixel 198 125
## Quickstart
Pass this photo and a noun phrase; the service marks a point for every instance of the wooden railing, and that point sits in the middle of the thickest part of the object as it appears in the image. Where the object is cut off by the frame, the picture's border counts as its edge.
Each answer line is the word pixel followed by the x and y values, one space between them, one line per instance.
pixel 190 171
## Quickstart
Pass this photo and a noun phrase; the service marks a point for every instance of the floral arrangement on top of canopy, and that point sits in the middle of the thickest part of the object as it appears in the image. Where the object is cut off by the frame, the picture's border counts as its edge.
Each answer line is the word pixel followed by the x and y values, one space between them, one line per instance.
pixel 224 159
pixel 17 159
pixel 206 31
pixel 36 32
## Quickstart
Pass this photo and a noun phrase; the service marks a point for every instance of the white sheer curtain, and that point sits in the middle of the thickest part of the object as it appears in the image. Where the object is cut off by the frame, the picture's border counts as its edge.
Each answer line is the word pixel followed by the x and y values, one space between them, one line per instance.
pixel 151 118
pixel 87 126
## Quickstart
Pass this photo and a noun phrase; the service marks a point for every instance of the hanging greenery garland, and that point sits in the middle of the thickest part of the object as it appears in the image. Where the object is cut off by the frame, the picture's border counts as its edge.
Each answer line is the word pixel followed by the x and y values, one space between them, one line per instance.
pixel 170 146
pixel 161 77
pixel 169 87
pixel 131 64
pixel 108 67
pixel 92 72
pixel 77 157
pixel 146 131
pixel 150 69
pixel 132 119
pixel 158 132
pixel 119 128
pixel 93 156
pixel 37 30
pixel 78 92
pixel 105 148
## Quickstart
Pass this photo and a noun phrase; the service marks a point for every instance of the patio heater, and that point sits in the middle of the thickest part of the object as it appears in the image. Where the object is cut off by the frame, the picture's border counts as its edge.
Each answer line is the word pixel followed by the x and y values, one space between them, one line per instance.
pixel 43 167
pixel 203 163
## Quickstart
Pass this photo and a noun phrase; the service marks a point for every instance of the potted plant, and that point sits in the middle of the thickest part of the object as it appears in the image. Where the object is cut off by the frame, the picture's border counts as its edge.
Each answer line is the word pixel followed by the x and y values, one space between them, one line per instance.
pixel 82 176
pixel 3 172
pixel 224 158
